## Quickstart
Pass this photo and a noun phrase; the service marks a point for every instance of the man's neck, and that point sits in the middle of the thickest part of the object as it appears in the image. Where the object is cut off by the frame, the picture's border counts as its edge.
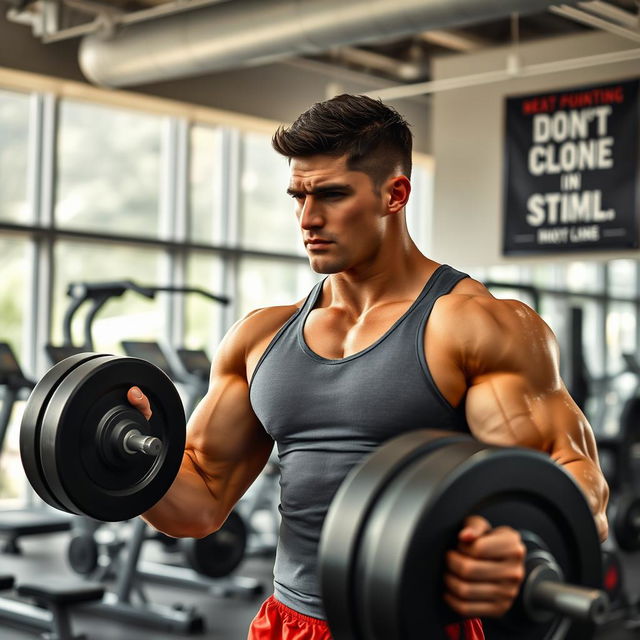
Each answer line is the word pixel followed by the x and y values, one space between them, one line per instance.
pixel 394 278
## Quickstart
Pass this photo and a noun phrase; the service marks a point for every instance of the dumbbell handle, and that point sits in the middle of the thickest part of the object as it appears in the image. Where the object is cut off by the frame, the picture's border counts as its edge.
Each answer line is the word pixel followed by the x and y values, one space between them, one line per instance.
pixel 545 593
pixel 135 442
pixel 579 603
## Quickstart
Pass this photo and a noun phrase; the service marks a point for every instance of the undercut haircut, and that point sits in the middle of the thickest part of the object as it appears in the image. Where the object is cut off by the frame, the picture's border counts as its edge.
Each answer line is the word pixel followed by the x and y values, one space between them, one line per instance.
pixel 375 138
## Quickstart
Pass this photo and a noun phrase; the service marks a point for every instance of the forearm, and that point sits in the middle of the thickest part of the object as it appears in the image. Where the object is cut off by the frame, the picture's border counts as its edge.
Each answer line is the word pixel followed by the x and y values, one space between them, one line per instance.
pixel 594 488
pixel 189 508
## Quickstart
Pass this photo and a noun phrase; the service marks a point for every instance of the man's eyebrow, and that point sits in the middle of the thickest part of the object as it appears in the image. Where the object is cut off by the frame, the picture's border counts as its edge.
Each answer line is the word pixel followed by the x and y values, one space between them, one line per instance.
pixel 325 188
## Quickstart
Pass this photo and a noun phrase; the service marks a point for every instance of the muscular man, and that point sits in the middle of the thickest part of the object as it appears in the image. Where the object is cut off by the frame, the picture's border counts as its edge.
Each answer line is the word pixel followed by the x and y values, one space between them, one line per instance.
pixel 388 341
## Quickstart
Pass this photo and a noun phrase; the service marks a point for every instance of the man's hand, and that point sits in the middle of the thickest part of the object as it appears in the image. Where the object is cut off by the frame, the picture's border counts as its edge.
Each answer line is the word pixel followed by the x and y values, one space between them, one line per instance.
pixel 484 573
pixel 139 401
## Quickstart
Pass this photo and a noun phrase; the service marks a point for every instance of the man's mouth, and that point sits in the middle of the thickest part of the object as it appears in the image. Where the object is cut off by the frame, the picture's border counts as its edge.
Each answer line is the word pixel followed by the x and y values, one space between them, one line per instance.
pixel 317 243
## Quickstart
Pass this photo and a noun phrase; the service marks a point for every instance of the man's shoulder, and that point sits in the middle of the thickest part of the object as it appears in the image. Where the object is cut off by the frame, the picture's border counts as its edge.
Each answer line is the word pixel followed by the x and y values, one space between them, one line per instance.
pixel 250 334
pixel 267 319
pixel 488 333
pixel 261 324
pixel 471 306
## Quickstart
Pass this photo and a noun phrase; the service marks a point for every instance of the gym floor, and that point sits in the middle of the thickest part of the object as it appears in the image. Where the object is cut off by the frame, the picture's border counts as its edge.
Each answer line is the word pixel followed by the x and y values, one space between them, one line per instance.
pixel 226 618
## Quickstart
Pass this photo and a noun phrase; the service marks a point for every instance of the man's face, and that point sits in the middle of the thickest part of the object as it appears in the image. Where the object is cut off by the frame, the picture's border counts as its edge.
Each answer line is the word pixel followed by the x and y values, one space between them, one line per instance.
pixel 339 211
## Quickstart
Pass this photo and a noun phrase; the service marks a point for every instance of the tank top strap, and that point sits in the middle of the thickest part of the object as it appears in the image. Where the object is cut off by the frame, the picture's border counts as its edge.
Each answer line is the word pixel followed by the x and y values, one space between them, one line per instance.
pixel 291 324
pixel 311 301
pixel 443 280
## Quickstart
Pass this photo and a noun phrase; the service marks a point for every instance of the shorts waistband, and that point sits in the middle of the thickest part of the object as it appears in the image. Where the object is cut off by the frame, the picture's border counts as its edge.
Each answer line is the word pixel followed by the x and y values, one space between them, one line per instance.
pixel 292 613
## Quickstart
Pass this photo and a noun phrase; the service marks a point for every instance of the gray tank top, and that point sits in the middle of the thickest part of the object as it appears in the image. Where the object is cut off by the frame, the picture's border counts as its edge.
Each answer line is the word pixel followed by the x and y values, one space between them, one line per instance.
pixel 326 415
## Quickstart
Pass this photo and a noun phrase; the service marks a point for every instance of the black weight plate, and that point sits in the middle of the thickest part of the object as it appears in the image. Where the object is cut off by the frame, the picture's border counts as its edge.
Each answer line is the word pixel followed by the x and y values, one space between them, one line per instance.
pixel 32 420
pixel 82 554
pixel 52 426
pixel 626 522
pixel 401 559
pixel 80 477
pixel 218 554
pixel 348 512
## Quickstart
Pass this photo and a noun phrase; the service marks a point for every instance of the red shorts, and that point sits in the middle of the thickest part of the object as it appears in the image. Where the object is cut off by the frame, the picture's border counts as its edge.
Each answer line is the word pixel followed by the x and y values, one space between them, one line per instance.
pixel 275 621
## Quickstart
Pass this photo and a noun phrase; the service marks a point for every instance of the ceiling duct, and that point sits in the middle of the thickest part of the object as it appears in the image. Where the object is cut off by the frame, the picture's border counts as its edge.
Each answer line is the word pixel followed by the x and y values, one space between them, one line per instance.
pixel 252 32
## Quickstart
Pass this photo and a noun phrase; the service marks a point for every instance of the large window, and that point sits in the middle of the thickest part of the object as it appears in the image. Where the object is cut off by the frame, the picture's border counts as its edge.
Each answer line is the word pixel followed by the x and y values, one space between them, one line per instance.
pixel 264 283
pixel 203 317
pixel 420 206
pixel 107 192
pixel 109 176
pixel 128 317
pixel 622 278
pixel 14 287
pixel 14 142
pixel 621 334
pixel 267 219
pixel 162 199
pixel 206 176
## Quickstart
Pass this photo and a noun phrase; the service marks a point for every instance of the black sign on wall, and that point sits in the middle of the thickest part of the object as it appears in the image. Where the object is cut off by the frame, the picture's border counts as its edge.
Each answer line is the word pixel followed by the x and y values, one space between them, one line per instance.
pixel 571 170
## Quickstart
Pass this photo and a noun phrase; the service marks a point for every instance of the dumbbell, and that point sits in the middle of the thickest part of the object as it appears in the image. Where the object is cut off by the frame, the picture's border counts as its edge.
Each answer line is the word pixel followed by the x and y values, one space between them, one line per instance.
pixel 385 537
pixel 87 451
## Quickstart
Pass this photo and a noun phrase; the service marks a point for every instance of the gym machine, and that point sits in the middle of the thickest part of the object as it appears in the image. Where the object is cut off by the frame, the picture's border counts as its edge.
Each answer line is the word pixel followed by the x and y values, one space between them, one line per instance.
pixel 37 520
pixel 97 294
pixel 195 362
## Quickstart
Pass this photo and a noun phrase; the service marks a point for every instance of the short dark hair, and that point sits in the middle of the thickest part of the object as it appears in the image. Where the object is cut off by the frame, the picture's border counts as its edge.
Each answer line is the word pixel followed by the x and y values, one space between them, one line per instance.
pixel 373 135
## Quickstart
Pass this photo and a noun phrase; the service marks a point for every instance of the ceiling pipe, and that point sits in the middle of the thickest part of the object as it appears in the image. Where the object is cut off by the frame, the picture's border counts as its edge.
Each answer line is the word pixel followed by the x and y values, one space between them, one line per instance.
pixel 403 71
pixel 503 75
pixel 613 13
pixel 458 41
pixel 583 17
pixel 254 32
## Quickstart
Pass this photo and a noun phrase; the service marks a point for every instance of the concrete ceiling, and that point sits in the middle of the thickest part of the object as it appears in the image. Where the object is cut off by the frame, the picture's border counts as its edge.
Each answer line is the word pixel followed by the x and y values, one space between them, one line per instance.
pixel 405 59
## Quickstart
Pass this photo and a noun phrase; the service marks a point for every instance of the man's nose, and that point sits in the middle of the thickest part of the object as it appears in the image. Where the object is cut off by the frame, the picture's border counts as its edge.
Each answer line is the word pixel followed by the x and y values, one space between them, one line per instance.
pixel 310 216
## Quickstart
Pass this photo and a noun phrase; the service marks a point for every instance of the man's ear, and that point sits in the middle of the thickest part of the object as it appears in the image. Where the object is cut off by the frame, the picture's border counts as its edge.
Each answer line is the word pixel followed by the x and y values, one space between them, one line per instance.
pixel 397 193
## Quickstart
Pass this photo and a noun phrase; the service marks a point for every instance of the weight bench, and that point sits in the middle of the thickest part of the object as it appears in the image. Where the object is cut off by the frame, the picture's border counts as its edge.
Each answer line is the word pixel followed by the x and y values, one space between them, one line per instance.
pixel 6 582
pixel 53 601
pixel 18 524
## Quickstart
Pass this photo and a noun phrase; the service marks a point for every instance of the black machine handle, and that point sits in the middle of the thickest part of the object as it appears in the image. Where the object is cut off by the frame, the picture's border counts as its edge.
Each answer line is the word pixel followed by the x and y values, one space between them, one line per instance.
pixel 92 290
pixel 100 292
